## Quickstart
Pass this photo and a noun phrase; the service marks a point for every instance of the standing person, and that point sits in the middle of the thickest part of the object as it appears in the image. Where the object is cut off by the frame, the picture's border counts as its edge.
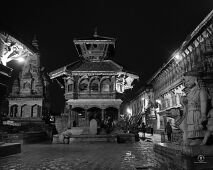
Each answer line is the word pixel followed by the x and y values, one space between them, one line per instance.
pixel 143 129
pixel 168 131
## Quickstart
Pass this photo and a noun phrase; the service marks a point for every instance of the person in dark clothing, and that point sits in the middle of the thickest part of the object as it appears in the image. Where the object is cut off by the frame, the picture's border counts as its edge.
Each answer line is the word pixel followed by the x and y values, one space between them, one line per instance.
pixel 143 129
pixel 168 131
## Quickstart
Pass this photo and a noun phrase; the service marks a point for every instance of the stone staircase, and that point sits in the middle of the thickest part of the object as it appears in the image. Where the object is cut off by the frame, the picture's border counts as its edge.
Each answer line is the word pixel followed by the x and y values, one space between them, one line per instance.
pixel 81 134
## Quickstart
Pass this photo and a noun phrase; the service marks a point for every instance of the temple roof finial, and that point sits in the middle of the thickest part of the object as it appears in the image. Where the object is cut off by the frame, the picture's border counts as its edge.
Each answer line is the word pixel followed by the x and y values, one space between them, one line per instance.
pixel 95 32
pixel 35 41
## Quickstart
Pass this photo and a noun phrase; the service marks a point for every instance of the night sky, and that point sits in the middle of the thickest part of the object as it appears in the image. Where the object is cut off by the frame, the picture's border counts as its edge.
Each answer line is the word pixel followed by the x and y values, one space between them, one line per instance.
pixel 146 32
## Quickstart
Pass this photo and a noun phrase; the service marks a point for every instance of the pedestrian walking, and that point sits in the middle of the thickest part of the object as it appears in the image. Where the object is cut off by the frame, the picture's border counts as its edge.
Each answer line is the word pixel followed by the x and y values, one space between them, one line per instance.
pixel 168 131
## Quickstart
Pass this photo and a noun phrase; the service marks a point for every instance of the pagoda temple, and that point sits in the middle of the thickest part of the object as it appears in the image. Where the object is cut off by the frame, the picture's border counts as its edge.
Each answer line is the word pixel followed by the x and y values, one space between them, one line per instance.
pixel 91 84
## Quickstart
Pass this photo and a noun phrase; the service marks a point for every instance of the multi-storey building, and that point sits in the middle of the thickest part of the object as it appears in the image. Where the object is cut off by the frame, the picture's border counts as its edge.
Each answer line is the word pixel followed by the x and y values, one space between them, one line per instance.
pixel 143 107
pixel 91 84
pixel 195 53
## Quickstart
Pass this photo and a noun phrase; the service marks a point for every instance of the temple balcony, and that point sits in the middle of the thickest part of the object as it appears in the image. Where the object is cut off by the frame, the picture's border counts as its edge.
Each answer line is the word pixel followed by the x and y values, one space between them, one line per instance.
pixel 86 95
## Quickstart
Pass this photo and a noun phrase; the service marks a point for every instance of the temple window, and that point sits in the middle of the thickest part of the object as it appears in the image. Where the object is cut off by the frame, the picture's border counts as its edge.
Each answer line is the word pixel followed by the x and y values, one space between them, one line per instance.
pixel 70 87
pixel 88 46
pixel 26 85
pixel 94 85
pixel 105 86
pixel 83 87
pixel 14 111
pixel 82 114
pixel 95 45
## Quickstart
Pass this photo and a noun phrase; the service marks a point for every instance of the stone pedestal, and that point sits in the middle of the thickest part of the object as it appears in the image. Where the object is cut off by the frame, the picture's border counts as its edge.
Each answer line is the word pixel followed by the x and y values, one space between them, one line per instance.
pixel 125 138
pixel 184 157
pixel 7 149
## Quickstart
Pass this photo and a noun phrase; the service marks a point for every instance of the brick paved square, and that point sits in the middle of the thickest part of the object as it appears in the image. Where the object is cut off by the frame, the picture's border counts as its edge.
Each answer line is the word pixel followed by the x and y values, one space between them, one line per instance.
pixel 82 156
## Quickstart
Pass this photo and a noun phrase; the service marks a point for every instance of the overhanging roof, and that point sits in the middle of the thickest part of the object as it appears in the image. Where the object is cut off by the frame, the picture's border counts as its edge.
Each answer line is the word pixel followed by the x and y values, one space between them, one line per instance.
pixel 87 66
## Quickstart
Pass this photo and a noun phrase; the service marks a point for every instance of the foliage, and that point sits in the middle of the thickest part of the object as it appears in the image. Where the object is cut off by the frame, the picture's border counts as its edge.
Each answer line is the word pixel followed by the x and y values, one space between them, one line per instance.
pixel 128 124
pixel 134 124
pixel 122 124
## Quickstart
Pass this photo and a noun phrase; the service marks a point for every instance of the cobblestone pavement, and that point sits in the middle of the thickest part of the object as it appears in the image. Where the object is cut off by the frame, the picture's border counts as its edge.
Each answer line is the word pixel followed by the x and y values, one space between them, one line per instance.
pixel 82 156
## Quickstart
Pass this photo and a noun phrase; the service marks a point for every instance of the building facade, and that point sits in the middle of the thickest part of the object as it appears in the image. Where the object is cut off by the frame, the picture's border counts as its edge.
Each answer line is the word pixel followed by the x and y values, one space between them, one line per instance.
pixel 195 53
pixel 5 76
pixel 91 85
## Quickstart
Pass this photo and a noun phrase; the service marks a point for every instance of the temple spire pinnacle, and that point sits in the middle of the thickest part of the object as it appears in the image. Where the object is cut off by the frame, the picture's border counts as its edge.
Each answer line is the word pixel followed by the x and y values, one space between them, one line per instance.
pixel 95 32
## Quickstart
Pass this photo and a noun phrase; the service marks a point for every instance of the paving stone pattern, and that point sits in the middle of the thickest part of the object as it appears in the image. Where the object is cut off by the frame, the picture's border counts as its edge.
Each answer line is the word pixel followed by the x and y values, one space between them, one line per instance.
pixel 82 156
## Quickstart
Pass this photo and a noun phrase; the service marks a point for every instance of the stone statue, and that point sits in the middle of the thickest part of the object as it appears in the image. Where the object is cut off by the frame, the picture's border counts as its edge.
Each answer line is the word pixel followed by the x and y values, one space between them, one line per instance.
pixel 209 125
pixel 183 124
pixel 196 108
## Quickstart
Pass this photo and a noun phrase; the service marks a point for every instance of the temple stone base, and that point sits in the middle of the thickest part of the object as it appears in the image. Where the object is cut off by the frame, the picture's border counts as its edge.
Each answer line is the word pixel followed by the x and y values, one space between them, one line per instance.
pixel 24 121
pixel 125 138
pixel 7 149
pixel 184 157
pixel 26 138
pixel 59 139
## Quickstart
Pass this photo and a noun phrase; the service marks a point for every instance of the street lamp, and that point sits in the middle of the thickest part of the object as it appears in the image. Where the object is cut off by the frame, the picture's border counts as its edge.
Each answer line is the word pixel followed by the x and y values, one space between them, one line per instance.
pixel 177 57
pixel 129 112
pixel 12 50
pixel 20 59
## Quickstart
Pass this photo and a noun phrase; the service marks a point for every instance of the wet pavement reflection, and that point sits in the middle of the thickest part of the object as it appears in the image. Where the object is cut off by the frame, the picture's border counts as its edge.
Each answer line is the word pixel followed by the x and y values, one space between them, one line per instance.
pixel 83 156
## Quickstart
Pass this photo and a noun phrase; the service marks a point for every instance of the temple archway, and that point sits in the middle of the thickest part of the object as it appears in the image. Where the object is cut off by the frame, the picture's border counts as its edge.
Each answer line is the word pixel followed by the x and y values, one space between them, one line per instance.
pixel 105 85
pixel 14 110
pixel 25 111
pixel 83 85
pixel 36 109
pixel 78 117
pixel 111 112
pixel 94 85
pixel 94 113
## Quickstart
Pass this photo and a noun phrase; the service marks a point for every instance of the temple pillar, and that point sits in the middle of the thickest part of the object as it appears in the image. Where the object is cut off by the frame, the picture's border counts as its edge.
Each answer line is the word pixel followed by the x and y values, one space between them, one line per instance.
pixel 87 117
pixel 19 111
pixel 69 125
pixel 119 110
pixel 9 110
pixel 102 114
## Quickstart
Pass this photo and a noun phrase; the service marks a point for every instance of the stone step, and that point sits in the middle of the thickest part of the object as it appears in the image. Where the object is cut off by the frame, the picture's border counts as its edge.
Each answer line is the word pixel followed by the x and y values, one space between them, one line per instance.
pixel 57 139
pixel 7 149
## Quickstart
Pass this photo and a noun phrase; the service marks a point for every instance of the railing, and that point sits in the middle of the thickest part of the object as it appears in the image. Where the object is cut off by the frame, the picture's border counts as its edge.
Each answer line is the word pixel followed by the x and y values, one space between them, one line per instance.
pixel 176 138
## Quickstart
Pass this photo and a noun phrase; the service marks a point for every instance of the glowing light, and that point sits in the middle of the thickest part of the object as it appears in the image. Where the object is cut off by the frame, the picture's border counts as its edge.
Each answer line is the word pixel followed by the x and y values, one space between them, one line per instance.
pixel 177 57
pixel 20 59
pixel 158 101
pixel 129 111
